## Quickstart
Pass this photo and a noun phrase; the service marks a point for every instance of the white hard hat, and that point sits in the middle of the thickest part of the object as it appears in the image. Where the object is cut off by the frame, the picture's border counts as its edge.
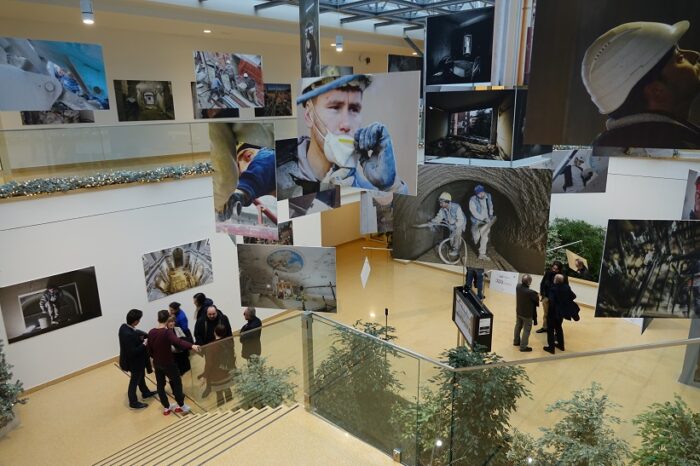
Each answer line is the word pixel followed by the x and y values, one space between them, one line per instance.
pixel 445 197
pixel 617 60
pixel 245 75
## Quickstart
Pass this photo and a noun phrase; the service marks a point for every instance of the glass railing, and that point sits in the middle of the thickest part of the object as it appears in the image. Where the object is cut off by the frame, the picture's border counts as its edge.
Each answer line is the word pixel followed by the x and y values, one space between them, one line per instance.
pixel 468 409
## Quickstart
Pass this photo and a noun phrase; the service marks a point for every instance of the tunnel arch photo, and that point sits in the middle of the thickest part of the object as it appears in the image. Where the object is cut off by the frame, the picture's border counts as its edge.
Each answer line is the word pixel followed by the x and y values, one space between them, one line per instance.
pixel 518 237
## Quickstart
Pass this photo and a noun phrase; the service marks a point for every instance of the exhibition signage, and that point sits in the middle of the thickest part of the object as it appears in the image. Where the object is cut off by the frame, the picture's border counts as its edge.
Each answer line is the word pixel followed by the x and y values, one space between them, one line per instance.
pixel 505 282
pixel 473 319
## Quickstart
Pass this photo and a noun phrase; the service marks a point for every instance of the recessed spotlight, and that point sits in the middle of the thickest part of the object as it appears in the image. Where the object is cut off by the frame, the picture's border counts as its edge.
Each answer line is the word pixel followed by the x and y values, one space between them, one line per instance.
pixel 415 54
pixel 372 315
pixel 207 31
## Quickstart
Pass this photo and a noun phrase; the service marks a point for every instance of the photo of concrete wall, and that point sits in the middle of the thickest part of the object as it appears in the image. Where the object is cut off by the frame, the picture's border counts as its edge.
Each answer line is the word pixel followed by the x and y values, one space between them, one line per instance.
pixel 39 306
pixel 376 212
pixel 650 269
pixel 477 124
pixel 177 269
pixel 284 277
pixel 459 47
pixel 243 157
pixel 228 80
pixel 606 73
pixel 490 218
pixel 575 171
pixel 691 204
pixel 70 73
pixel 144 100
pixel 278 101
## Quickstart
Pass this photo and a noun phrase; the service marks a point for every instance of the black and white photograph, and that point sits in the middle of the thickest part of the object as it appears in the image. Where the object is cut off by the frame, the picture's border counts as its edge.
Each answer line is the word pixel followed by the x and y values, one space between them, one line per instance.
pixel 144 100
pixel 357 131
pixel 210 113
pixel 376 212
pixel 404 63
pixel 177 269
pixel 691 205
pixel 651 268
pixel 485 125
pixel 459 47
pixel 278 101
pixel 310 37
pixel 575 171
pixel 616 75
pixel 71 74
pixel 46 304
pixel 57 117
pixel 284 277
pixel 228 80
pixel 336 70
pixel 285 236
pixel 489 218
pixel 245 198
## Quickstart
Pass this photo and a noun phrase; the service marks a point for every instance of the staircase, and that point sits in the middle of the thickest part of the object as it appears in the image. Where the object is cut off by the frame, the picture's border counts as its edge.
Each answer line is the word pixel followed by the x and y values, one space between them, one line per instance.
pixel 197 439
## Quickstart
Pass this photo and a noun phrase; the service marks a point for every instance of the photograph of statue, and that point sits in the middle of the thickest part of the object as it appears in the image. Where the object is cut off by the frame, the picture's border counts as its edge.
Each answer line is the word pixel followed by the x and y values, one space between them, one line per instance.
pixel 651 268
pixel 489 218
pixel 287 277
pixel 228 80
pixel 177 269
pixel 144 100
pixel 46 304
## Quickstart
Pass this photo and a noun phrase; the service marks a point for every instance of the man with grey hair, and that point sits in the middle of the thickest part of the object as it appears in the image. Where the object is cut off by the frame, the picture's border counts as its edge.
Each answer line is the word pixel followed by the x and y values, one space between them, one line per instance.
pixel 526 303
pixel 250 334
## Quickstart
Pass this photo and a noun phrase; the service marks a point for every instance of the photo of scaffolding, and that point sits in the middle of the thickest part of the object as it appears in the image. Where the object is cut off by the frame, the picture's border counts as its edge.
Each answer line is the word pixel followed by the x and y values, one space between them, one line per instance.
pixel 229 80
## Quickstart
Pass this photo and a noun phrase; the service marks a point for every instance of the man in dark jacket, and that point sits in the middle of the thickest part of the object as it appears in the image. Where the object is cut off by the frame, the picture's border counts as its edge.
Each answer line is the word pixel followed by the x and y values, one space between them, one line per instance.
pixel 561 305
pixel 204 329
pixel 526 302
pixel 250 334
pixel 201 304
pixel 133 358
pixel 545 285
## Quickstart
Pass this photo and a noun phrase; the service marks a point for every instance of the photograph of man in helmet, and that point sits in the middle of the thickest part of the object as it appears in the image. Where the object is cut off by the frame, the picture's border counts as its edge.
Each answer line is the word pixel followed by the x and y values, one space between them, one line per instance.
pixel 343 145
pixel 482 219
pixel 450 214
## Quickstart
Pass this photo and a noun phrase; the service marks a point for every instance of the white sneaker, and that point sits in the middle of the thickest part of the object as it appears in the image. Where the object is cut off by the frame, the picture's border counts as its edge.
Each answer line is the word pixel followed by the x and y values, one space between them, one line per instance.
pixel 484 257
pixel 183 409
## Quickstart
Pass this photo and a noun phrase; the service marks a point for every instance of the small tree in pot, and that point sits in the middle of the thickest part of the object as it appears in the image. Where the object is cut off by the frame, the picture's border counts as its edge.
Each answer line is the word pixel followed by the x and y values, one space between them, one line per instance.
pixel 9 391
pixel 259 385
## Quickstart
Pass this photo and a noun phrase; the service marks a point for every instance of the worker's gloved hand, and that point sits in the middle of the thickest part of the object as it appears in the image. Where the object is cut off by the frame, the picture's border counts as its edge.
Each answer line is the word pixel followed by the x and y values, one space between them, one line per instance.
pixel 377 156
pixel 235 203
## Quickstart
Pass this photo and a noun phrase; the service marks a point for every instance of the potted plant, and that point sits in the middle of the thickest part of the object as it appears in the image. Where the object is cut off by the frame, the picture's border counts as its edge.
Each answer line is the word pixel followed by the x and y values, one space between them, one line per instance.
pixel 259 385
pixel 9 395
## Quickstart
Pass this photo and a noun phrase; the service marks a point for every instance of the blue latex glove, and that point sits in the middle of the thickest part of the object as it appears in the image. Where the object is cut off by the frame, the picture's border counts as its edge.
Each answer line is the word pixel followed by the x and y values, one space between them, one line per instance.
pixel 379 167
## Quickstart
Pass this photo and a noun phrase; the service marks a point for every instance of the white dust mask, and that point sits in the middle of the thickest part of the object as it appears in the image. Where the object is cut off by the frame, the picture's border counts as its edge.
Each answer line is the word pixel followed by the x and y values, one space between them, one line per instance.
pixel 339 149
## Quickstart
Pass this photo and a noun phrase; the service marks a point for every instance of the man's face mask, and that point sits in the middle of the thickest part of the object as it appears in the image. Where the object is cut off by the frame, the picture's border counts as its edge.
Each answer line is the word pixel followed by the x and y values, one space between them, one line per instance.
pixel 338 149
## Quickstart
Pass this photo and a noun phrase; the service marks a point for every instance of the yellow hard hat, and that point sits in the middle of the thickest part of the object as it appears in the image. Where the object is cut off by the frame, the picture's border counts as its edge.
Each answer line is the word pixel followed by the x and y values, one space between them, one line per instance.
pixel 445 197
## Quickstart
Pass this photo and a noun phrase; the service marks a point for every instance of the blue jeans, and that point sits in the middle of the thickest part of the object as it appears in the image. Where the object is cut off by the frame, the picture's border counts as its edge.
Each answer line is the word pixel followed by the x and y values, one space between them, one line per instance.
pixel 476 276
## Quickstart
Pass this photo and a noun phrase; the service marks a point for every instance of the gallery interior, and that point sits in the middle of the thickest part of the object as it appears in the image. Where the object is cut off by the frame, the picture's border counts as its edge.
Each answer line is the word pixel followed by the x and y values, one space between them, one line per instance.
pixel 154 150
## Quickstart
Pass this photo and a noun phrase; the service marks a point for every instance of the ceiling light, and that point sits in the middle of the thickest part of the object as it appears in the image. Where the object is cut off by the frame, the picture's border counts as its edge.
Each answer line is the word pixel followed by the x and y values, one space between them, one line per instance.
pixel 414 54
pixel 338 43
pixel 86 12
pixel 333 44
pixel 207 31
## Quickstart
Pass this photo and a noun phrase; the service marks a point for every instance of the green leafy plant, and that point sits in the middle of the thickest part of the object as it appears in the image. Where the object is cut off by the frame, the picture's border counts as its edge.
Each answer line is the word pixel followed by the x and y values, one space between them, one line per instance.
pixel 464 418
pixel 583 436
pixel 259 385
pixel 592 237
pixel 670 435
pixel 9 391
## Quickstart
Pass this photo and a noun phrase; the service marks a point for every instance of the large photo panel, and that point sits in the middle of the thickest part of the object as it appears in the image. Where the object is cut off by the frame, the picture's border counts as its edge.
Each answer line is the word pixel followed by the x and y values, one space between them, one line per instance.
pixel 228 80
pixel 615 74
pixel 144 100
pixel 489 218
pixel 177 269
pixel 71 75
pixel 650 269
pixel 287 277
pixel 243 158
pixel 39 306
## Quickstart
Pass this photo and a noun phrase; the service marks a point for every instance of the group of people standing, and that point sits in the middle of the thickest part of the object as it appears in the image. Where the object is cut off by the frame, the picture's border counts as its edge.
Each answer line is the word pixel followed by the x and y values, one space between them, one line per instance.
pixel 558 304
pixel 165 351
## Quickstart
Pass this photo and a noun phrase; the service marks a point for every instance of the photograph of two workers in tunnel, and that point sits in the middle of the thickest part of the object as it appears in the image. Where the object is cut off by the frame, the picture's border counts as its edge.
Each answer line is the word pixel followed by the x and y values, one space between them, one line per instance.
pixel 229 80
pixel 477 125
pixel 651 268
pixel 490 218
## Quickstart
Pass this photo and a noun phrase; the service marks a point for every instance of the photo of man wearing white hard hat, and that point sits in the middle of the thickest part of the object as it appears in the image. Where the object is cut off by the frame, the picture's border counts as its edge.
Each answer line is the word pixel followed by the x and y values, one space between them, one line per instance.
pixel 622 76
pixel 346 138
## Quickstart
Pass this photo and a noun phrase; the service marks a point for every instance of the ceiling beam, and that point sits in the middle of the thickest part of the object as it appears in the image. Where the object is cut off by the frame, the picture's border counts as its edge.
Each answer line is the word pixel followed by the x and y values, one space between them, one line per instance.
pixel 270 4
pixel 385 23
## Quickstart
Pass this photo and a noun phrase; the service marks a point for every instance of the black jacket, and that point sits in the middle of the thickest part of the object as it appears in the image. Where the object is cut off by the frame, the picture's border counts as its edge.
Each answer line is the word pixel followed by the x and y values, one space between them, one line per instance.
pixel 650 130
pixel 548 281
pixel 250 338
pixel 526 302
pixel 202 310
pixel 561 302
pixel 204 328
pixel 132 351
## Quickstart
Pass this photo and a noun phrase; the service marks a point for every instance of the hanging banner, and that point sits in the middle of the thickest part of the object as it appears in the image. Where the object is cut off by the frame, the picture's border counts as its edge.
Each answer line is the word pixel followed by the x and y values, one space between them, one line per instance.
pixel 309 35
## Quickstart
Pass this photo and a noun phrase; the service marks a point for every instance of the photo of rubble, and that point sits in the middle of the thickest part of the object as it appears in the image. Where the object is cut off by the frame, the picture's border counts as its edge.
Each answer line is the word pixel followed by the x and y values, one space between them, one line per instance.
pixel 228 80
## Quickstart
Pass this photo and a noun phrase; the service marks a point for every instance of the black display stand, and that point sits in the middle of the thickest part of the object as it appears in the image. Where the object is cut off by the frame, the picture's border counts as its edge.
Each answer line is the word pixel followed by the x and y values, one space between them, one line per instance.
pixel 472 318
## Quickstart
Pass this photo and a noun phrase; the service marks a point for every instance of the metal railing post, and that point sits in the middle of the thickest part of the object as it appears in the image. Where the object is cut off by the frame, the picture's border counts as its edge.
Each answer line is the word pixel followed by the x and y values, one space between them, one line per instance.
pixel 307 350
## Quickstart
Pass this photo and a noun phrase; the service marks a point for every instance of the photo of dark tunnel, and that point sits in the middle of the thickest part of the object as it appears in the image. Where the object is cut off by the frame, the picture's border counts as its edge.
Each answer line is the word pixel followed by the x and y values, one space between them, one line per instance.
pixel 459 47
pixel 517 238
pixel 478 124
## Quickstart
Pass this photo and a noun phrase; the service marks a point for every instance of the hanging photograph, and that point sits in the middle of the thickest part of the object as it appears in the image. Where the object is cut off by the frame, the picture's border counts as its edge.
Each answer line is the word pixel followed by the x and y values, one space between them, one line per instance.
pixel 691 206
pixel 284 277
pixel 228 80
pixel 177 269
pixel 357 131
pixel 651 268
pixel 336 70
pixel 243 158
pixel 144 100
pixel 484 125
pixel 309 36
pixel 57 117
pixel 278 101
pixel 210 113
pixel 489 218
pixel 575 171
pixel 40 306
pixel 68 73
pixel 399 63
pixel 285 233
pixel 616 75
pixel 376 212
pixel 459 47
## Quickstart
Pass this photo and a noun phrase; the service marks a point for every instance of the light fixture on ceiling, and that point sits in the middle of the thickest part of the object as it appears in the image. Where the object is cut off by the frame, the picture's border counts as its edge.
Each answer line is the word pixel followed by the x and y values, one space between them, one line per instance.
pixel 338 43
pixel 414 54
pixel 86 12
pixel 207 31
